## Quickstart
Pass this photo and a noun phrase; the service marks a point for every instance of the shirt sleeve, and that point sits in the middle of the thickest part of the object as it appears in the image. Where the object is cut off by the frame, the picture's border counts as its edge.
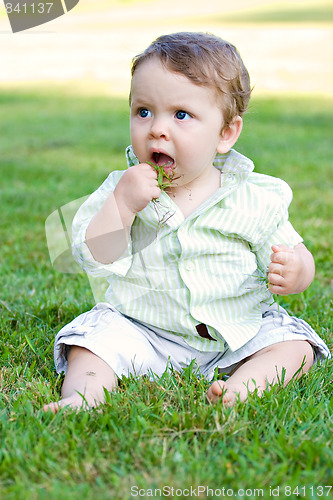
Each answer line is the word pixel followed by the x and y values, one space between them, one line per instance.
pixel 80 250
pixel 278 229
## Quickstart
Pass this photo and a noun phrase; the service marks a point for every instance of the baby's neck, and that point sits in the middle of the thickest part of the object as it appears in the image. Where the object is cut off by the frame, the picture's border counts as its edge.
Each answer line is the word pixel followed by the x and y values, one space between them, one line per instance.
pixel 192 195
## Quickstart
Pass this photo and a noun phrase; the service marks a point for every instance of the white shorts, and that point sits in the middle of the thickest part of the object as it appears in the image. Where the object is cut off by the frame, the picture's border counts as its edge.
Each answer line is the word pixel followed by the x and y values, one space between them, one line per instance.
pixel 130 347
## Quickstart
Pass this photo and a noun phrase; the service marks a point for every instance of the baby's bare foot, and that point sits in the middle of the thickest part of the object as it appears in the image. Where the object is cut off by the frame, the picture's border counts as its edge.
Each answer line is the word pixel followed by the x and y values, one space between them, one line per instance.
pixel 74 401
pixel 229 393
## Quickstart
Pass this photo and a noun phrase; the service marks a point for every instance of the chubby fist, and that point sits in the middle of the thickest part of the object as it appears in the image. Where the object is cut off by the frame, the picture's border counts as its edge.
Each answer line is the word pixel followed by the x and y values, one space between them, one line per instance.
pixel 291 269
pixel 137 187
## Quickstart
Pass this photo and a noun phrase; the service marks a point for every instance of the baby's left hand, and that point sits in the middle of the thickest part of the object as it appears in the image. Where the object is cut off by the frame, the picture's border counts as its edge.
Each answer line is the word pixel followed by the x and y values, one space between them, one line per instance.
pixel 285 270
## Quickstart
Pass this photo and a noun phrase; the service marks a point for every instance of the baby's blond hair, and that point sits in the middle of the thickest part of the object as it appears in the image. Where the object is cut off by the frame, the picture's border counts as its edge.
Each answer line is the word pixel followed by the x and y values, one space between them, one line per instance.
pixel 206 60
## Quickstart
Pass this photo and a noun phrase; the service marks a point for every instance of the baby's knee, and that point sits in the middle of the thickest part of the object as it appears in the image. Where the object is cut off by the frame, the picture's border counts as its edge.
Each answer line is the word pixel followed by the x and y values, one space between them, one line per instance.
pixel 297 355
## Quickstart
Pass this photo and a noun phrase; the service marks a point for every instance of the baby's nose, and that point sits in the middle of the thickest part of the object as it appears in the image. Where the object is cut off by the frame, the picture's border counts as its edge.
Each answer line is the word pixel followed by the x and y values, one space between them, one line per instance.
pixel 159 129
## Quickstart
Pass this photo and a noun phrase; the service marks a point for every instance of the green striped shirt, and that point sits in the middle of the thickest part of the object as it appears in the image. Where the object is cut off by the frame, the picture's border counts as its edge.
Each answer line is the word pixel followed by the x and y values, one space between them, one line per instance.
pixel 208 268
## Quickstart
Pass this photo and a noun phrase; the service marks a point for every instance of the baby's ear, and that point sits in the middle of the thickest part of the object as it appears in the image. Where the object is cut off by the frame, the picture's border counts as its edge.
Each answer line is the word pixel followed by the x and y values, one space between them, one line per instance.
pixel 229 135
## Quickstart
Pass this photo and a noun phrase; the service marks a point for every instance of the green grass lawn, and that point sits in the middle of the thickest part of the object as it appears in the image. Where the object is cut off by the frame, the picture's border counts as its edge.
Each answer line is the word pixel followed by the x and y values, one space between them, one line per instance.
pixel 55 148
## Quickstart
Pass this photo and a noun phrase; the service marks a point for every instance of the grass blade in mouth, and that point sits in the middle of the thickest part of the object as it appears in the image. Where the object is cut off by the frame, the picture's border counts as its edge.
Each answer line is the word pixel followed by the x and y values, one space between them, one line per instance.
pixel 162 174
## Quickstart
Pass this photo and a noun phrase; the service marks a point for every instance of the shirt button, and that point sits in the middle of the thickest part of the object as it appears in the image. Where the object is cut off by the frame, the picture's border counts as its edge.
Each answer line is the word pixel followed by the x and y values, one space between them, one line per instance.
pixel 190 266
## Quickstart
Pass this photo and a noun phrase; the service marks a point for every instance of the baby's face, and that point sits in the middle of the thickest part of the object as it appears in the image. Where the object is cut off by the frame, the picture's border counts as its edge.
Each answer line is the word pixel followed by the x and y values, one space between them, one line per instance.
pixel 174 121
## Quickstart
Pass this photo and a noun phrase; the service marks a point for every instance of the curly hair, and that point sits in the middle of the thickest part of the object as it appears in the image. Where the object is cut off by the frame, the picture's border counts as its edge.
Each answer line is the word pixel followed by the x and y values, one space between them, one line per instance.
pixel 206 60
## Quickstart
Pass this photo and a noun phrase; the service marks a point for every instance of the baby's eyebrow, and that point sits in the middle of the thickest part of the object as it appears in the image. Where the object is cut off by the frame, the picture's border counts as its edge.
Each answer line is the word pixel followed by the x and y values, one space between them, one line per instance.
pixel 137 106
pixel 136 100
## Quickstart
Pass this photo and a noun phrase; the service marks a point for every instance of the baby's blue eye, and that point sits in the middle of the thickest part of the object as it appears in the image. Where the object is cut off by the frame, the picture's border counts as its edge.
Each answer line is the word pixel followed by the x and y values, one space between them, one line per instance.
pixel 144 113
pixel 182 115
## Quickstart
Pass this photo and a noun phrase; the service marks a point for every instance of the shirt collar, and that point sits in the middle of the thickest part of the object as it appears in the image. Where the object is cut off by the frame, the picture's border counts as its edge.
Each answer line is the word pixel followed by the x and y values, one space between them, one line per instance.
pixel 233 163
pixel 234 167
pixel 130 157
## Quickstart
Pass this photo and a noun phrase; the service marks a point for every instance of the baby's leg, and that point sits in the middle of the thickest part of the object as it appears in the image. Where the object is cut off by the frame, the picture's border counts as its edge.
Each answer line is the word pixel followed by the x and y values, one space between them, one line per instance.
pixel 264 367
pixel 86 378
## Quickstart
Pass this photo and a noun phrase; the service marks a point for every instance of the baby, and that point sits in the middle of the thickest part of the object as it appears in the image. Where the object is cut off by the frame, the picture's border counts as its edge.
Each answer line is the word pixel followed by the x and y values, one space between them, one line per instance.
pixel 187 237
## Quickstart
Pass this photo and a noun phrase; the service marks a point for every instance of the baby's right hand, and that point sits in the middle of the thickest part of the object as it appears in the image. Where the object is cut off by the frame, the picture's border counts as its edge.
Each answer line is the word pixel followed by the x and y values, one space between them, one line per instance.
pixel 137 187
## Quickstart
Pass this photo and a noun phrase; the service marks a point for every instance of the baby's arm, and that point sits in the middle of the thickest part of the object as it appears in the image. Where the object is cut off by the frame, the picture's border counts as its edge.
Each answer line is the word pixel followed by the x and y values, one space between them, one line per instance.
pixel 291 269
pixel 108 231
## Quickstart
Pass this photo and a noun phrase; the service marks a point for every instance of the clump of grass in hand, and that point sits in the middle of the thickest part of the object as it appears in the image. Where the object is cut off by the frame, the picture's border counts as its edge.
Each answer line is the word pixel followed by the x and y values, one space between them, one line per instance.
pixel 164 180
pixel 162 174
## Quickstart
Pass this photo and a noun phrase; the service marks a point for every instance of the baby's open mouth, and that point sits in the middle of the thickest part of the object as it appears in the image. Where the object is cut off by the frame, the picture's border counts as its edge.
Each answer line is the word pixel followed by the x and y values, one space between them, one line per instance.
pixel 165 161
